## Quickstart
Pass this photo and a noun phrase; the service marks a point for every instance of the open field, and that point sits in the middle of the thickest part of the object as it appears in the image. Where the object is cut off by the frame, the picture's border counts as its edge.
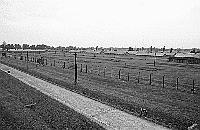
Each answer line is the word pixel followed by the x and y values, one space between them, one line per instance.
pixel 47 114
pixel 172 106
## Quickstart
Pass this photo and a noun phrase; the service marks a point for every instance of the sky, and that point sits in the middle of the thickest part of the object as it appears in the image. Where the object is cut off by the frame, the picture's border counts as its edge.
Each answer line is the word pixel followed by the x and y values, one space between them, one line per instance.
pixel 103 23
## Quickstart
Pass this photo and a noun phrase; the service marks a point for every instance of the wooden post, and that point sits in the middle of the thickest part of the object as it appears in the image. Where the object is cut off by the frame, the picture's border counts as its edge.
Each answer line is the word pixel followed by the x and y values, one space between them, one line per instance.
pixel 54 63
pixel 163 81
pixel 85 68
pixel 177 83
pixel 150 79
pixel 119 73
pixel 81 67
pixel 46 61
pixel 139 77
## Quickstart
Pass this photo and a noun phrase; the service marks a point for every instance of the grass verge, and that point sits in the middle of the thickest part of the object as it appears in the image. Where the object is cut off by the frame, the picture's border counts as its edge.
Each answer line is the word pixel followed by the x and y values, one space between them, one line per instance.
pixel 47 113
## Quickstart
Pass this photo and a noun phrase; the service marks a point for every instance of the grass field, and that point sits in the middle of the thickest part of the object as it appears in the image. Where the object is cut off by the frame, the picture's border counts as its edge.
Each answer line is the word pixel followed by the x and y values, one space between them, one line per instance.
pixel 47 114
pixel 172 106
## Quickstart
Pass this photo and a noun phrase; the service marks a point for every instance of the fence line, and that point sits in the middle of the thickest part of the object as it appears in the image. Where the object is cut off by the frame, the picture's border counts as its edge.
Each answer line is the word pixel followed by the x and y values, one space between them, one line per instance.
pixel 127 76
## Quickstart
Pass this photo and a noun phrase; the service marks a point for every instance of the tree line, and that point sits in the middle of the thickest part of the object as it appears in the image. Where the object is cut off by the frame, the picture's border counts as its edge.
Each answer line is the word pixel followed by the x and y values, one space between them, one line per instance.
pixel 7 47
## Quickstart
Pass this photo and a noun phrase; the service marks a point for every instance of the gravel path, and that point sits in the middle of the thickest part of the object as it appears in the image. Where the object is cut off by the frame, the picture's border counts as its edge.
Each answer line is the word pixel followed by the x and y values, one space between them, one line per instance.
pixel 106 116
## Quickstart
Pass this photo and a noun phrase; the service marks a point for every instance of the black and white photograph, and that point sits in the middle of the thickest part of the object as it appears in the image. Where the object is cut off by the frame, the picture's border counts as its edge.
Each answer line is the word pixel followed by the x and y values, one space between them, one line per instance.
pixel 99 64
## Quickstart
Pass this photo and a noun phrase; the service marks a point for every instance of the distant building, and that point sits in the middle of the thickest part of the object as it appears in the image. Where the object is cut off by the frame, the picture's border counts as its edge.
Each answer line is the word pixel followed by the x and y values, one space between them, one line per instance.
pixel 25 51
pixel 188 58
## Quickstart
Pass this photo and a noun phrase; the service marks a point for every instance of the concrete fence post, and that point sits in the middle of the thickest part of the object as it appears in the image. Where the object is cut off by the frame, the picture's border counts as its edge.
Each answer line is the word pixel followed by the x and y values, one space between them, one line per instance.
pixel 150 78
pixel 139 77
pixel 104 72
pixel 63 65
pixel 193 86
pixel 99 70
pixel 119 73
pixel 177 80
pixel 163 81
pixel 81 68
pixel 128 77
pixel 111 75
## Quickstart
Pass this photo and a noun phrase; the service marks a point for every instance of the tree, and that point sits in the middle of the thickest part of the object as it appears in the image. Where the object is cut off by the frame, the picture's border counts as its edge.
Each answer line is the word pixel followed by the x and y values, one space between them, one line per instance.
pixel 164 49
pixel 9 46
pixel 151 49
pixel 171 49
pixel 17 46
pixel 12 46
pixel 32 47
pixel 25 46
pixel 130 49
pixel 41 47
pixel 3 46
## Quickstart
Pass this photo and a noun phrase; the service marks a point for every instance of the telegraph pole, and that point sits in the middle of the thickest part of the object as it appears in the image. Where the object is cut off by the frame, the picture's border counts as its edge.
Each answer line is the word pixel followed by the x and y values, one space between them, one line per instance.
pixel 27 61
pixel 154 63
pixel 75 68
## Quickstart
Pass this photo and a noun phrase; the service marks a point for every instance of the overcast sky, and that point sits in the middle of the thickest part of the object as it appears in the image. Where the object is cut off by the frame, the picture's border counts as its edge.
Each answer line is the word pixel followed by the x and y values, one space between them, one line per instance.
pixel 106 23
